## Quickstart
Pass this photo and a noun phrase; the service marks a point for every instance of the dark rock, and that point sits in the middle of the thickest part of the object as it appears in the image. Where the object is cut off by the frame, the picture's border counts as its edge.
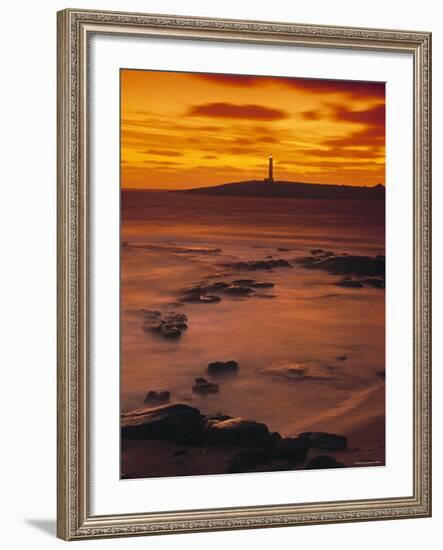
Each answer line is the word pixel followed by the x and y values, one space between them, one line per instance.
pixel 235 290
pixel 254 265
pixel 341 358
pixel 295 448
pixel 157 398
pixel 326 441
pixel 248 461
pixel 201 298
pixel 203 387
pixel 171 332
pixel 169 325
pixel 179 423
pixel 222 367
pixel 349 283
pixel 262 284
pixel 274 438
pixel 346 265
pixel 323 461
pixel 322 253
pixel 218 285
pixel 381 374
pixel 252 283
pixel 236 432
pixel 376 283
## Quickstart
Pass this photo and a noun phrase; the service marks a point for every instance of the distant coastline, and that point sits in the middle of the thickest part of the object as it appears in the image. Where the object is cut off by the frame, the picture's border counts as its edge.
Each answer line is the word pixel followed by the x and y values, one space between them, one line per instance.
pixel 279 189
pixel 288 189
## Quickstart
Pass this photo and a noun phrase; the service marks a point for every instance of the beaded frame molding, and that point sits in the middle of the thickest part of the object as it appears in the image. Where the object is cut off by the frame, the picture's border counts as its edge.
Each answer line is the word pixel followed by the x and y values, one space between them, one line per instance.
pixel 74 518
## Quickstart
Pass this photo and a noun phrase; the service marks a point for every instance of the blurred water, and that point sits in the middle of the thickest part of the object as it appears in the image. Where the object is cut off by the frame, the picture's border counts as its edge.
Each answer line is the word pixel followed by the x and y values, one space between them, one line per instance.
pixel 308 324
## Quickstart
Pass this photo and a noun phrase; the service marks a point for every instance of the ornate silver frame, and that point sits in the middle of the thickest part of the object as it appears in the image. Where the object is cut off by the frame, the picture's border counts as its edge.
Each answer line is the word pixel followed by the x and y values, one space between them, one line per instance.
pixel 75 27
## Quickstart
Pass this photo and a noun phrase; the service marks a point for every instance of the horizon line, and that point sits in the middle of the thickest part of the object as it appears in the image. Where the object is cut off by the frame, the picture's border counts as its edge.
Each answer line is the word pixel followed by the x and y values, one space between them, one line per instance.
pixel 123 188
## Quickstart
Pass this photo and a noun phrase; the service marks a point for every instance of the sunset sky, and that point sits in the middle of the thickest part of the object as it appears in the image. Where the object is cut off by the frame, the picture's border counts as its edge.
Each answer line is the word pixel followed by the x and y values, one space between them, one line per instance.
pixel 183 130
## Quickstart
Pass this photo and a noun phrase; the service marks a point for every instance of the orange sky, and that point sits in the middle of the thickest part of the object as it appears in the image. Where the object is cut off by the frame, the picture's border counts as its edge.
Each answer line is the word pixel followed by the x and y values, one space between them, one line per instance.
pixel 182 130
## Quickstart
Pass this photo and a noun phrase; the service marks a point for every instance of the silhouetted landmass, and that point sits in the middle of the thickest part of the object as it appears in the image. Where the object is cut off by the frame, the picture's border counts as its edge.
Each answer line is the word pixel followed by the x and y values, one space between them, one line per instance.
pixel 288 189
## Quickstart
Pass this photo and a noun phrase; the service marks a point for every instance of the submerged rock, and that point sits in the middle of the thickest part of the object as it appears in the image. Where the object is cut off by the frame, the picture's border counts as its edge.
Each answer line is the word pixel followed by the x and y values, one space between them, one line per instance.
pixel 157 398
pixel 169 325
pixel 349 283
pixel 323 462
pixel 201 298
pixel 222 367
pixel 254 265
pixel 326 441
pixel 346 264
pixel 203 387
pixel 179 423
pixel 236 290
pixel 252 283
pixel 376 283
pixel 236 432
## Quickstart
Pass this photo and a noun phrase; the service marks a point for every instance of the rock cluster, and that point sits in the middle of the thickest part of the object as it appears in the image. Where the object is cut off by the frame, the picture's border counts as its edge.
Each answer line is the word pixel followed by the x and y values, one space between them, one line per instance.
pixel 253 445
pixel 254 265
pixel 356 271
pixel 168 325
pixel 207 293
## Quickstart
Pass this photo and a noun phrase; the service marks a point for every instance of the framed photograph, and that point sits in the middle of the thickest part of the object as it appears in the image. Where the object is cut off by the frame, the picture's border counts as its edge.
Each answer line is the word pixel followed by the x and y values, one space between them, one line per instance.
pixel 243 274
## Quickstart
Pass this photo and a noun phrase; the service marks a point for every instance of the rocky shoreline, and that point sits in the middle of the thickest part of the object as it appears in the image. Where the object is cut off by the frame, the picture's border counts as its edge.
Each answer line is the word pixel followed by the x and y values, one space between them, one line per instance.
pixel 168 439
pixel 231 445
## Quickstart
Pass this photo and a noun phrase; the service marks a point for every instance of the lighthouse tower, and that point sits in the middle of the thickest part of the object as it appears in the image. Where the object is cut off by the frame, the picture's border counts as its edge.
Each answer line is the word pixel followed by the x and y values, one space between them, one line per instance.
pixel 270 178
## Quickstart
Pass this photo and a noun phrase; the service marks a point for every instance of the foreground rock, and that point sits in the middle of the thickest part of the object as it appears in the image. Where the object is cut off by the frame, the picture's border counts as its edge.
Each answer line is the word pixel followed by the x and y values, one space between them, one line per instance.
pixel 248 461
pixel 178 423
pixel 169 325
pixel 203 387
pixel 157 398
pixel 294 448
pixel 222 367
pixel 236 432
pixel 325 441
pixel 323 462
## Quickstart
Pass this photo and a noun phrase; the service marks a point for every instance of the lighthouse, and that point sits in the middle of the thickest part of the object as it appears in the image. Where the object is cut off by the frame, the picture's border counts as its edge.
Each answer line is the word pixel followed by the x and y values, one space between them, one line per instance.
pixel 270 177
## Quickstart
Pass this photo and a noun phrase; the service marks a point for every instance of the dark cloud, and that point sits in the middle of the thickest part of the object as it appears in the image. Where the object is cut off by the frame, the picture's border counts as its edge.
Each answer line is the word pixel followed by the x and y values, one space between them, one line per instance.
pixel 356 89
pixel 311 115
pixel 371 117
pixel 230 79
pixel 231 110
